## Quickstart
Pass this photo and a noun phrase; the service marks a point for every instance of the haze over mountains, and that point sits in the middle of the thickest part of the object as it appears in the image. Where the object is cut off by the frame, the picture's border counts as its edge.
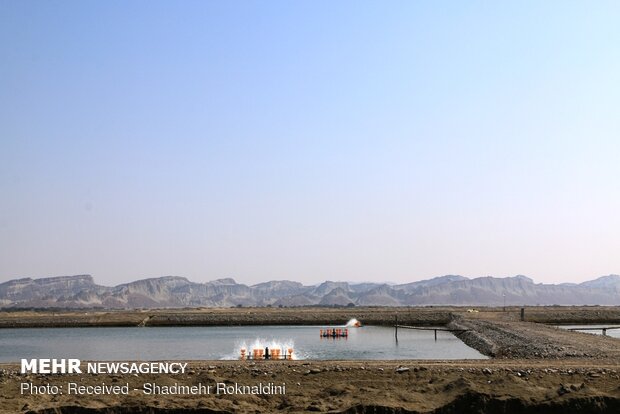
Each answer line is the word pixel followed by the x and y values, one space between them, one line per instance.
pixel 173 291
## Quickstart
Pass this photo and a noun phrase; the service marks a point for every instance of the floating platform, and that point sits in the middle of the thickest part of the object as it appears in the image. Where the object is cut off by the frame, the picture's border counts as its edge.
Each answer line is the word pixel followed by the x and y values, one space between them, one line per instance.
pixel 334 333
pixel 266 353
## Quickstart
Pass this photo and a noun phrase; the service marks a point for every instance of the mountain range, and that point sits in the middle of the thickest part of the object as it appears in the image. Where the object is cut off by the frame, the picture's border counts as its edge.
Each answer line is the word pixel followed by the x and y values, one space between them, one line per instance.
pixel 81 291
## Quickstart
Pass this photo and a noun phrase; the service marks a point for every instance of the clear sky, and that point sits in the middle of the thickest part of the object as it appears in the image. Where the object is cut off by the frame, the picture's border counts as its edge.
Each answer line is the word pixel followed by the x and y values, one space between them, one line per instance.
pixel 357 141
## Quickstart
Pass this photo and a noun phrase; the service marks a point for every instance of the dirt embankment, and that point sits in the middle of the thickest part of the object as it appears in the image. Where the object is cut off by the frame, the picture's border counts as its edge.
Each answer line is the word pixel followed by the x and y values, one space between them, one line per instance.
pixel 490 386
pixel 226 317
pixel 573 315
pixel 514 339
pixel 299 316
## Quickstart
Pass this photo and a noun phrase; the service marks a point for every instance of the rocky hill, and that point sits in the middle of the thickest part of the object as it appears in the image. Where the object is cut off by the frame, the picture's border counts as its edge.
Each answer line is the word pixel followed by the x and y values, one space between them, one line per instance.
pixel 172 292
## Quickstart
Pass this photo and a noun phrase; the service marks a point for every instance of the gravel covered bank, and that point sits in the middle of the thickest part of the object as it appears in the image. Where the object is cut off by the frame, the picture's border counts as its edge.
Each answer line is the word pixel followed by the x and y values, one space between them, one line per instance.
pixel 514 339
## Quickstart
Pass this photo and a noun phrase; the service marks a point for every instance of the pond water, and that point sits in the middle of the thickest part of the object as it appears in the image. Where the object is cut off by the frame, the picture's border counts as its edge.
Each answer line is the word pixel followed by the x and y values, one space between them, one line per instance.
pixel 192 343
pixel 614 333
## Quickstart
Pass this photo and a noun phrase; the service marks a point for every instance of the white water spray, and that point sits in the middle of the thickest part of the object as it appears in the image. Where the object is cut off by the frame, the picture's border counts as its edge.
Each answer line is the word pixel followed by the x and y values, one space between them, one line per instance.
pixel 277 349
pixel 354 323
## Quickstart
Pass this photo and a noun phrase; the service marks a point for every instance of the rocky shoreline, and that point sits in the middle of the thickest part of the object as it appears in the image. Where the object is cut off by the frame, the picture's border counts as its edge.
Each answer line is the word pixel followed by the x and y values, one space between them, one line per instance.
pixel 514 339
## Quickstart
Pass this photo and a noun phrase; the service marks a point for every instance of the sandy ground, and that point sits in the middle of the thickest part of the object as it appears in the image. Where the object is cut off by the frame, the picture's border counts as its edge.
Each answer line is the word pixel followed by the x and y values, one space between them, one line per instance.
pixel 352 387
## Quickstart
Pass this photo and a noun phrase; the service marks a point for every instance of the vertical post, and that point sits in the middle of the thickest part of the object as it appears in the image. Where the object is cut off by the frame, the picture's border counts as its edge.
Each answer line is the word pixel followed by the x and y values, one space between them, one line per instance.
pixel 522 314
pixel 396 327
pixel 435 334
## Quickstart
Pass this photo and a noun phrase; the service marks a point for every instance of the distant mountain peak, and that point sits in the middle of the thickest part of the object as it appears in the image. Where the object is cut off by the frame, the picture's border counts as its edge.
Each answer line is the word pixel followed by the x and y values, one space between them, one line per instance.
pixel 523 277
pixel 603 281
pixel 224 281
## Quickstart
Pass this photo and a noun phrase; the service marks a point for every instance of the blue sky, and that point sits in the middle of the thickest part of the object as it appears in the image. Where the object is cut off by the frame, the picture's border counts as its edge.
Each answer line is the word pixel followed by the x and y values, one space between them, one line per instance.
pixel 359 141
